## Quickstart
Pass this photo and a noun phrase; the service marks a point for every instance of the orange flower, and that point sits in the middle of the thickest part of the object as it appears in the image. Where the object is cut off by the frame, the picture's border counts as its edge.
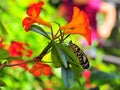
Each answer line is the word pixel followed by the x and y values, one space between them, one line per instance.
pixel 78 25
pixel 33 13
pixel 40 68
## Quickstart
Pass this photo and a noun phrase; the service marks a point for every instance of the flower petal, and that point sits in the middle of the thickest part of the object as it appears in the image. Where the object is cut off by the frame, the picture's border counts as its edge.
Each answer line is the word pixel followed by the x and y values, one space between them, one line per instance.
pixel 46 69
pixel 77 21
pixel 88 36
pixel 41 21
pixel 78 25
pixel 77 30
pixel 36 73
pixel 27 22
pixel 29 53
pixel 33 13
pixel 40 4
pixel 76 18
pixel 76 12
pixel 80 19
pixel 28 26
pixel 34 10
pixel 36 69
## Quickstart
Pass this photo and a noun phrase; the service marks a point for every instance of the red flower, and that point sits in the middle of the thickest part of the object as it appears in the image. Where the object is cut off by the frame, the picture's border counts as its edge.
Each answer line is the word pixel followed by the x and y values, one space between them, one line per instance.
pixel 18 49
pixel 29 53
pixel 40 68
pixel 86 74
pixel 21 62
pixel 33 13
pixel 78 25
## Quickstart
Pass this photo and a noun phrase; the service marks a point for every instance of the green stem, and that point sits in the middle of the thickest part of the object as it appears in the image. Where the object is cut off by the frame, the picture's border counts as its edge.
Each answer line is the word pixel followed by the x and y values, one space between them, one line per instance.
pixel 44 51
pixel 51 31
pixel 66 37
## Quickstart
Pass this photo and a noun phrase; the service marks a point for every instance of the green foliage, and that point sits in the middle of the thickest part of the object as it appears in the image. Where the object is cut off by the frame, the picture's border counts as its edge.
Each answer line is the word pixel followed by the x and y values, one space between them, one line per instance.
pixel 14 58
pixel 4 54
pixel 2 28
pixel 11 15
pixel 59 54
pixel 39 30
pixel 2 83
pixel 55 59
pixel 64 56
pixel 103 77
pixel 73 60
pixel 67 76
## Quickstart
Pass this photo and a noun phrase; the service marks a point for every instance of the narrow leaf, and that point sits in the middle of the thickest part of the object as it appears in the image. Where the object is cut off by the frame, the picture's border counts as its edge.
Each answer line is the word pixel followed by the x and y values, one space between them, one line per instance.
pixel 61 54
pixel 57 63
pixel 73 60
pixel 64 76
pixel 67 76
pixel 2 83
pixel 3 29
pixel 14 58
pixel 77 71
pixel 68 51
pixel 104 77
pixel 39 30
pixel 70 76
pixel 4 54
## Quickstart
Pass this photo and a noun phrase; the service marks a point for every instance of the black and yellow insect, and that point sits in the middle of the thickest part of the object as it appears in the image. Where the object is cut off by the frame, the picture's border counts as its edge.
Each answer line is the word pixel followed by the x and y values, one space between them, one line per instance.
pixel 80 54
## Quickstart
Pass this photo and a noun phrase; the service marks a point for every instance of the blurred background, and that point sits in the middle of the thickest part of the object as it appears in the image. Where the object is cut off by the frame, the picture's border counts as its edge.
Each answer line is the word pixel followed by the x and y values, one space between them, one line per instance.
pixel 104 58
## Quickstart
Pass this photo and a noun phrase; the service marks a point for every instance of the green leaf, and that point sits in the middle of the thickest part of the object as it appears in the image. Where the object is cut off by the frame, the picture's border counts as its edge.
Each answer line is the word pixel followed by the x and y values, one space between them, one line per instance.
pixel 39 30
pixel 60 54
pixel 64 76
pixel 77 72
pixel 65 53
pixel 70 76
pixel 67 76
pixel 104 77
pixel 73 60
pixel 4 54
pixel 3 29
pixel 2 83
pixel 14 58
pixel 68 51
pixel 57 63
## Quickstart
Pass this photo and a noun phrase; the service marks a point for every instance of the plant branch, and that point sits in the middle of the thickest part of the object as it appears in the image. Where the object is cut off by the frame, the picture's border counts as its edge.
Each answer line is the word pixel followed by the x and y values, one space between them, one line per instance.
pixel 66 37
pixel 38 58
pixel 44 51
pixel 52 32
pixel 11 65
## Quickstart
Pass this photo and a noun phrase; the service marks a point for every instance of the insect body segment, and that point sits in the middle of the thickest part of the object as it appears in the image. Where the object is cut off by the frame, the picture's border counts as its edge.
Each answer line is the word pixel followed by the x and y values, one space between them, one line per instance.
pixel 80 54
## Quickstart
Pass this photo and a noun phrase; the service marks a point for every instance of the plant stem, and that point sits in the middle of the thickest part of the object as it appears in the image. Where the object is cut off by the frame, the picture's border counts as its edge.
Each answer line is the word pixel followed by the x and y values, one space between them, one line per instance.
pixel 66 37
pixel 44 51
pixel 51 31
pixel 38 58
pixel 11 65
